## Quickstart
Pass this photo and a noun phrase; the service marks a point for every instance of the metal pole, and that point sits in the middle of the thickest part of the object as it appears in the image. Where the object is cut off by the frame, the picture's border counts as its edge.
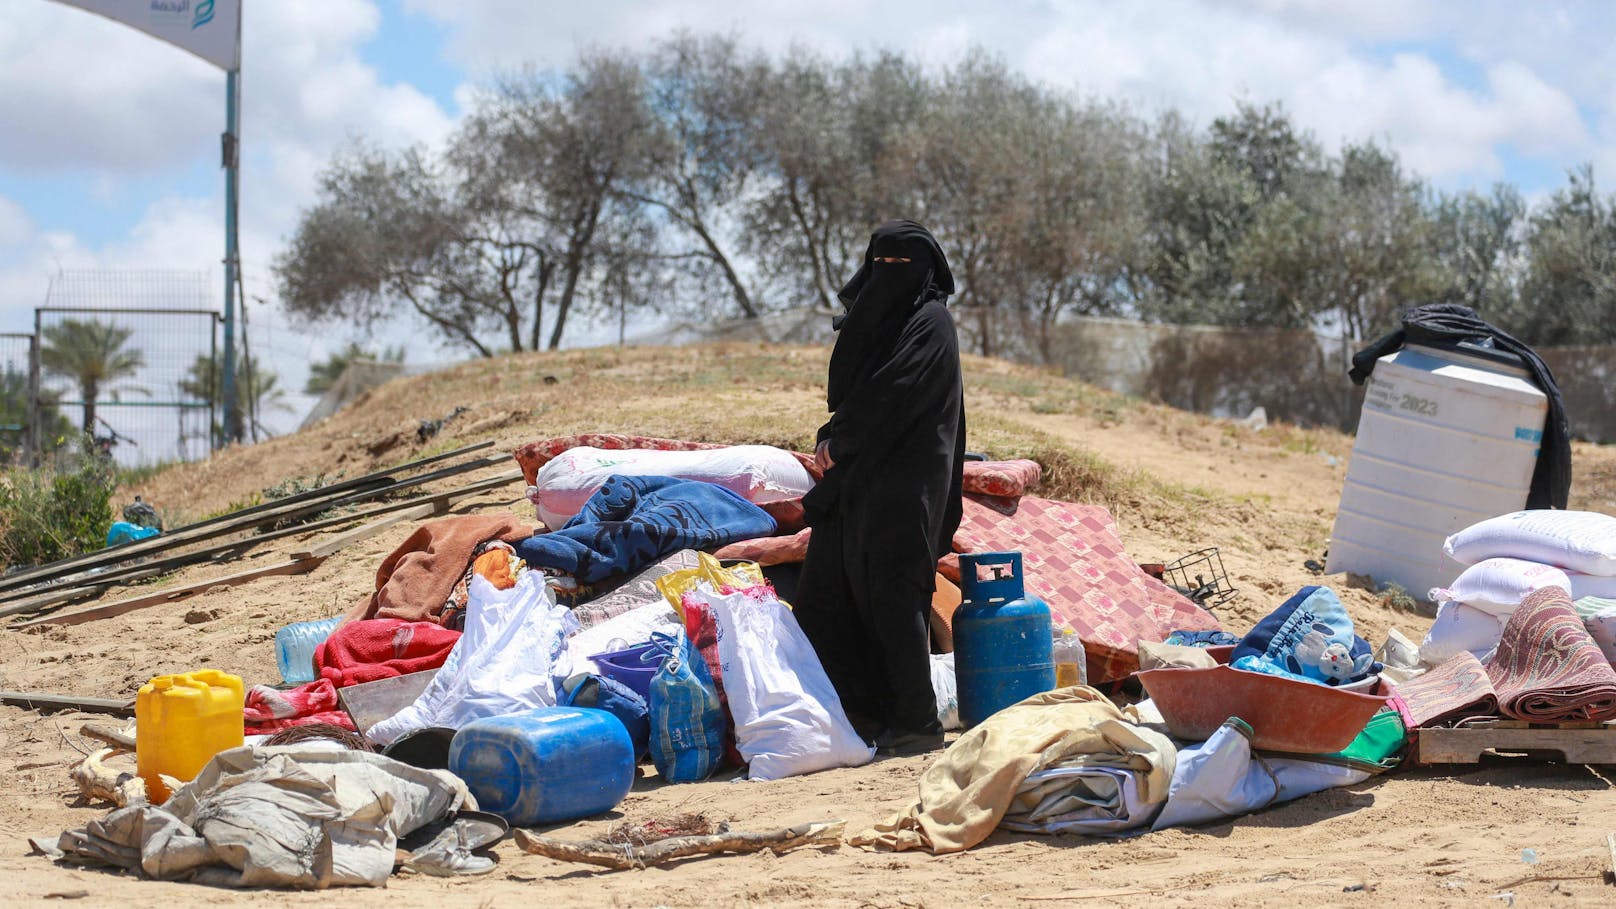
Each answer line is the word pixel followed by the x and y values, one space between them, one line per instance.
pixel 36 416
pixel 232 159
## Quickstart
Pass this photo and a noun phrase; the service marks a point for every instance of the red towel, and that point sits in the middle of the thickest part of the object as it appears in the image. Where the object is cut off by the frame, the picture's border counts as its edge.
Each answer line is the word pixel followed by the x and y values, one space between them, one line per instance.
pixel 374 649
pixel 269 710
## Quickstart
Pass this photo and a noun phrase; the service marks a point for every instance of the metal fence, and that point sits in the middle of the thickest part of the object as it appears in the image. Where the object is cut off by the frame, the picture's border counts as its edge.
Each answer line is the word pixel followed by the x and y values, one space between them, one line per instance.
pixel 132 359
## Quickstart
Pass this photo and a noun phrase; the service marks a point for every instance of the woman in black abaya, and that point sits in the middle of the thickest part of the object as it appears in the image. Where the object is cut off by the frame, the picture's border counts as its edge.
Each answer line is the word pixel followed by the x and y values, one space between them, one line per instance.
pixel 887 508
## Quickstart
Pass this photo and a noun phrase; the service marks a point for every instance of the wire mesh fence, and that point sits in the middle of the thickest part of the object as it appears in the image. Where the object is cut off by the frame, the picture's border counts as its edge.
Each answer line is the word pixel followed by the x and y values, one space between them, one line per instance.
pixel 131 358
pixel 16 364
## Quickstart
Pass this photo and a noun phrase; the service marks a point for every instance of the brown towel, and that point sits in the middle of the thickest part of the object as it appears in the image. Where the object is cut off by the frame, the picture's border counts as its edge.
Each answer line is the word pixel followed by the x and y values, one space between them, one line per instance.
pixel 414 581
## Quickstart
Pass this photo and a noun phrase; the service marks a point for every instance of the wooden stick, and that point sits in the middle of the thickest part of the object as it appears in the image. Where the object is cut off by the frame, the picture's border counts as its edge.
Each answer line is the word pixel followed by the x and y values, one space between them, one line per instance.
pixel 434 506
pixel 623 856
pixel 39 700
pixel 1610 843
pixel 270 512
pixel 239 546
pixel 117 738
pixel 173 594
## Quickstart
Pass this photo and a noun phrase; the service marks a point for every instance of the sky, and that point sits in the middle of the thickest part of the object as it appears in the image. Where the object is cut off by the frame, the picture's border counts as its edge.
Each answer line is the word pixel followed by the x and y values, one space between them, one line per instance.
pixel 109 139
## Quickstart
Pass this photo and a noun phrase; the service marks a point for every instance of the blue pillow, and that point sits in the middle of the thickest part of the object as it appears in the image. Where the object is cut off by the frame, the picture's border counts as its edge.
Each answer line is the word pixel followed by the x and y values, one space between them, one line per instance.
pixel 620 701
pixel 1310 635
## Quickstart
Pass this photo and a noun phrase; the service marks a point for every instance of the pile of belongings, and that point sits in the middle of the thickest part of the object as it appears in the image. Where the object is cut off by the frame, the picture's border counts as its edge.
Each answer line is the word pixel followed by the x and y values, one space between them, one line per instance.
pixel 1071 761
pixel 1527 631
pixel 655 586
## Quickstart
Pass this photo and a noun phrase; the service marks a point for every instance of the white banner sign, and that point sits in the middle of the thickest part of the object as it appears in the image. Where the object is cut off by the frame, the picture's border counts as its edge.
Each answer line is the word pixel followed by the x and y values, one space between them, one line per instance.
pixel 207 28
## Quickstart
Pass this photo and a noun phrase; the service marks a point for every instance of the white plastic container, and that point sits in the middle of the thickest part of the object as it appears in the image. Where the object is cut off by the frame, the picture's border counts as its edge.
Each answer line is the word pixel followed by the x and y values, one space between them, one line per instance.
pixel 1447 438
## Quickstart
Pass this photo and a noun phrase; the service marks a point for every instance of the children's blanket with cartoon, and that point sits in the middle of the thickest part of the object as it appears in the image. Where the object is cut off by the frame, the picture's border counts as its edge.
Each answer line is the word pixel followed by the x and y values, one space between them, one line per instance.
pixel 1309 637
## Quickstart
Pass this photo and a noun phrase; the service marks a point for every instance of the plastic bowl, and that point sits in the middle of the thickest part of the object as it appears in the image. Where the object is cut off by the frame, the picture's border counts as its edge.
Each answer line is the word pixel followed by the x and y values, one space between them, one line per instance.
pixel 1284 714
pixel 633 667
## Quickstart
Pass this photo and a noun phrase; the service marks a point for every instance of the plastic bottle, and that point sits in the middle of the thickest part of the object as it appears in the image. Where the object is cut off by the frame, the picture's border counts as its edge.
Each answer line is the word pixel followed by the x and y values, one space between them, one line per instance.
pixel 1071 664
pixel 295 645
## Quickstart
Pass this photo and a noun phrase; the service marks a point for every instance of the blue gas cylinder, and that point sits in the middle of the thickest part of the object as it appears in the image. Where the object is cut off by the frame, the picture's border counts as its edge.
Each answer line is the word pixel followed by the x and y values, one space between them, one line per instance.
pixel 546 765
pixel 1003 639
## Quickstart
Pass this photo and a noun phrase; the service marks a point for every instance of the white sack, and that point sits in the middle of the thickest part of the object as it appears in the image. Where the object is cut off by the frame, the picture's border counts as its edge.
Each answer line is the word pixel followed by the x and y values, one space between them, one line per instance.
pixel 946 687
pixel 507 660
pixel 758 473
pixel 1582 541
pixel 788 719
pixel 1589 585
pixel 1497 586
pixel 1460 628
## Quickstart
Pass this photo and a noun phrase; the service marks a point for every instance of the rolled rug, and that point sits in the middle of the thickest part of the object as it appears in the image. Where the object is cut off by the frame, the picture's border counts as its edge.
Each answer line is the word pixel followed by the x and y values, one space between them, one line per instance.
pixel 1548 668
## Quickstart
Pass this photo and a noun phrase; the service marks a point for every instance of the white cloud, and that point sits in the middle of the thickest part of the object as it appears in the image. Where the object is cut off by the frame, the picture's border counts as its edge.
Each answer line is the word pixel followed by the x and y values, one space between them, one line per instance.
pixel 15 225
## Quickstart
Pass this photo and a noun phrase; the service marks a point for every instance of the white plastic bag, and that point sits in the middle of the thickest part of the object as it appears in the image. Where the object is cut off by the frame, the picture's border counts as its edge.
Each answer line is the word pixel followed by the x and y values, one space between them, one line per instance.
pixel 507 661
pixel 788 719
pixel 1497 586
pixel 1460 628
pixel 1582 541
pixel 758 473
pixel 946 687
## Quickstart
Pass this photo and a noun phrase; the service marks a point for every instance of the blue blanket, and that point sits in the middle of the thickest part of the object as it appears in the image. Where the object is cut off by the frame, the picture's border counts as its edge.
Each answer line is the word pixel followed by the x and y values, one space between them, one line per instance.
pixel 631 522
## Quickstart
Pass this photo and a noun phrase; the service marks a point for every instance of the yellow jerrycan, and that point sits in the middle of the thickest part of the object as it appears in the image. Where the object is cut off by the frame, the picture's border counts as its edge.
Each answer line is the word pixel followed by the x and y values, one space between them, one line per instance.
pixel 182 721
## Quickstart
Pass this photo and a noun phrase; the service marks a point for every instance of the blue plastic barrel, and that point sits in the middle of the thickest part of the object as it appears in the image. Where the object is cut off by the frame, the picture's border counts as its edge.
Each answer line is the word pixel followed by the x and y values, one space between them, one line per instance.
pixel 546 765
pixel 294 648
pixel 1003 639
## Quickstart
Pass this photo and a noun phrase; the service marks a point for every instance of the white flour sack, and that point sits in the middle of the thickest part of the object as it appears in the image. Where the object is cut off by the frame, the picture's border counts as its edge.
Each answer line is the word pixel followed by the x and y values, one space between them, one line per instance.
pixel 1582 541
pixel 758 473
pixel 1497 586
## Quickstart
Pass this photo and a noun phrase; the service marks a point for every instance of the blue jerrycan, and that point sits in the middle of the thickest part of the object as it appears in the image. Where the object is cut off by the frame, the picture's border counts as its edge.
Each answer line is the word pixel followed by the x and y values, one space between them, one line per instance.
pixel 1003 639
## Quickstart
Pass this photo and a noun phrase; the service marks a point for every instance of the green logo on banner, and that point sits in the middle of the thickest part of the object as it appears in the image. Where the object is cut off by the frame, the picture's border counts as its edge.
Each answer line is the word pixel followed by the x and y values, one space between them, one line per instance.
pixel 204 14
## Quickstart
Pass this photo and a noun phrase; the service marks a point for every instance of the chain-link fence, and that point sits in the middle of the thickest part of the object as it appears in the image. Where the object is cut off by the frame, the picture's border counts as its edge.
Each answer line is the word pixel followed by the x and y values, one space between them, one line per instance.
pixel 16 366
pixel 130 358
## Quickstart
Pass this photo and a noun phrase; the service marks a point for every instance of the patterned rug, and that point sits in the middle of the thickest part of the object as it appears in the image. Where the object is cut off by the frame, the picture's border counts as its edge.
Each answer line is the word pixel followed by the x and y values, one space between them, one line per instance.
pixel 1547 668
pixel 1455 690
pixel 1076 563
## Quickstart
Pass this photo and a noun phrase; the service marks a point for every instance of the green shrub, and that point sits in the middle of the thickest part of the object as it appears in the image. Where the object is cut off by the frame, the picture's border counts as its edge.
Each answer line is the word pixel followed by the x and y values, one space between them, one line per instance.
pixel 55 512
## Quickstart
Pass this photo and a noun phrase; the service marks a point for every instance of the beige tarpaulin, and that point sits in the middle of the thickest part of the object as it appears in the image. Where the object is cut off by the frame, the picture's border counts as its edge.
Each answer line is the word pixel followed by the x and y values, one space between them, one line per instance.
pixel 967 792
pixel 292 816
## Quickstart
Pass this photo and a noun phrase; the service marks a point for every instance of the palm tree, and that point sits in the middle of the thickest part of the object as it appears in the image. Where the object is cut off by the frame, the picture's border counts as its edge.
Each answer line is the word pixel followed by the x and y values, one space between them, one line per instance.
pixel 257 389
pixel 92 354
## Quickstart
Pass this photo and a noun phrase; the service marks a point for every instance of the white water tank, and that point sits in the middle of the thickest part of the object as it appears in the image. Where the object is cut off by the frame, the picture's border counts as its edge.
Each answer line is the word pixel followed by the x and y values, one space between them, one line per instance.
pixel 1447 437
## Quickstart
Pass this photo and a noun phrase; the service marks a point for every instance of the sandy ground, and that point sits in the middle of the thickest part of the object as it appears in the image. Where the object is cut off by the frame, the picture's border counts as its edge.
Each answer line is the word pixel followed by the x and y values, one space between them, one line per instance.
pixel 1266 499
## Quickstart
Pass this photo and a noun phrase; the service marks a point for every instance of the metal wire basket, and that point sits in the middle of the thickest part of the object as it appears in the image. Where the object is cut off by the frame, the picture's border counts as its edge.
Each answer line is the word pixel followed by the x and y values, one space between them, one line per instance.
pixel 1201 577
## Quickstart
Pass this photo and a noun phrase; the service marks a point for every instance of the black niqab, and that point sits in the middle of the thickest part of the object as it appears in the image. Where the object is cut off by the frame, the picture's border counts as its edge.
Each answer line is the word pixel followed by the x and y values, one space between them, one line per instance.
pixel 880 300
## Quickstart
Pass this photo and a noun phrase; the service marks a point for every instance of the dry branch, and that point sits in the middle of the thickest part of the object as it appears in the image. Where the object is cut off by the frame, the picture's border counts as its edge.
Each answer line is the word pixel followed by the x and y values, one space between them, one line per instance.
pixel 622 856
pixel 98 782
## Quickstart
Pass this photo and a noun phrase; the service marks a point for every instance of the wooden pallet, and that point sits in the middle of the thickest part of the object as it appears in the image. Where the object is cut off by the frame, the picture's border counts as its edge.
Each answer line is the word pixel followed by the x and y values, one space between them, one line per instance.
pixel 1573 743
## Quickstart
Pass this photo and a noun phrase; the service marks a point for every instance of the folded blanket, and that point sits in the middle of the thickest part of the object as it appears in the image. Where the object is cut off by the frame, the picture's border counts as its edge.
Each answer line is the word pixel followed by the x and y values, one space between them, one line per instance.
pixel 415 581
pixel 1547 668
pixel 1455 690
pixel 381 649
pixel 269 710
pixel 633 521
pixel 996 772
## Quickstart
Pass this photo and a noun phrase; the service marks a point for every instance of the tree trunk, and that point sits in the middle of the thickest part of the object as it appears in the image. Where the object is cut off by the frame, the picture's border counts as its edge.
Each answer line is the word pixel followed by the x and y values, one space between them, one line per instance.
pixel 88 392
pixel 546 269
pixel 582 236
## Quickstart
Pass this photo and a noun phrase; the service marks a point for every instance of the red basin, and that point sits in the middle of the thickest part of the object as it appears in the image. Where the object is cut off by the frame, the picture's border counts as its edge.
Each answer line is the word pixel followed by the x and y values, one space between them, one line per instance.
pixel 1286 715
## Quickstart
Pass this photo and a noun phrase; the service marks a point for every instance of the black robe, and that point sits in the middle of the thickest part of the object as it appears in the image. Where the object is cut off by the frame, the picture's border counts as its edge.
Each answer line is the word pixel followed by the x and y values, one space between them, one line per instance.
pixel 888 508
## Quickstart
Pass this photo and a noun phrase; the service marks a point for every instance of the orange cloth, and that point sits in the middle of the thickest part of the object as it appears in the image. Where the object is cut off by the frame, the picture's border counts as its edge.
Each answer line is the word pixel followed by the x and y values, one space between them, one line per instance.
pixel 414 581
pixel 494 566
